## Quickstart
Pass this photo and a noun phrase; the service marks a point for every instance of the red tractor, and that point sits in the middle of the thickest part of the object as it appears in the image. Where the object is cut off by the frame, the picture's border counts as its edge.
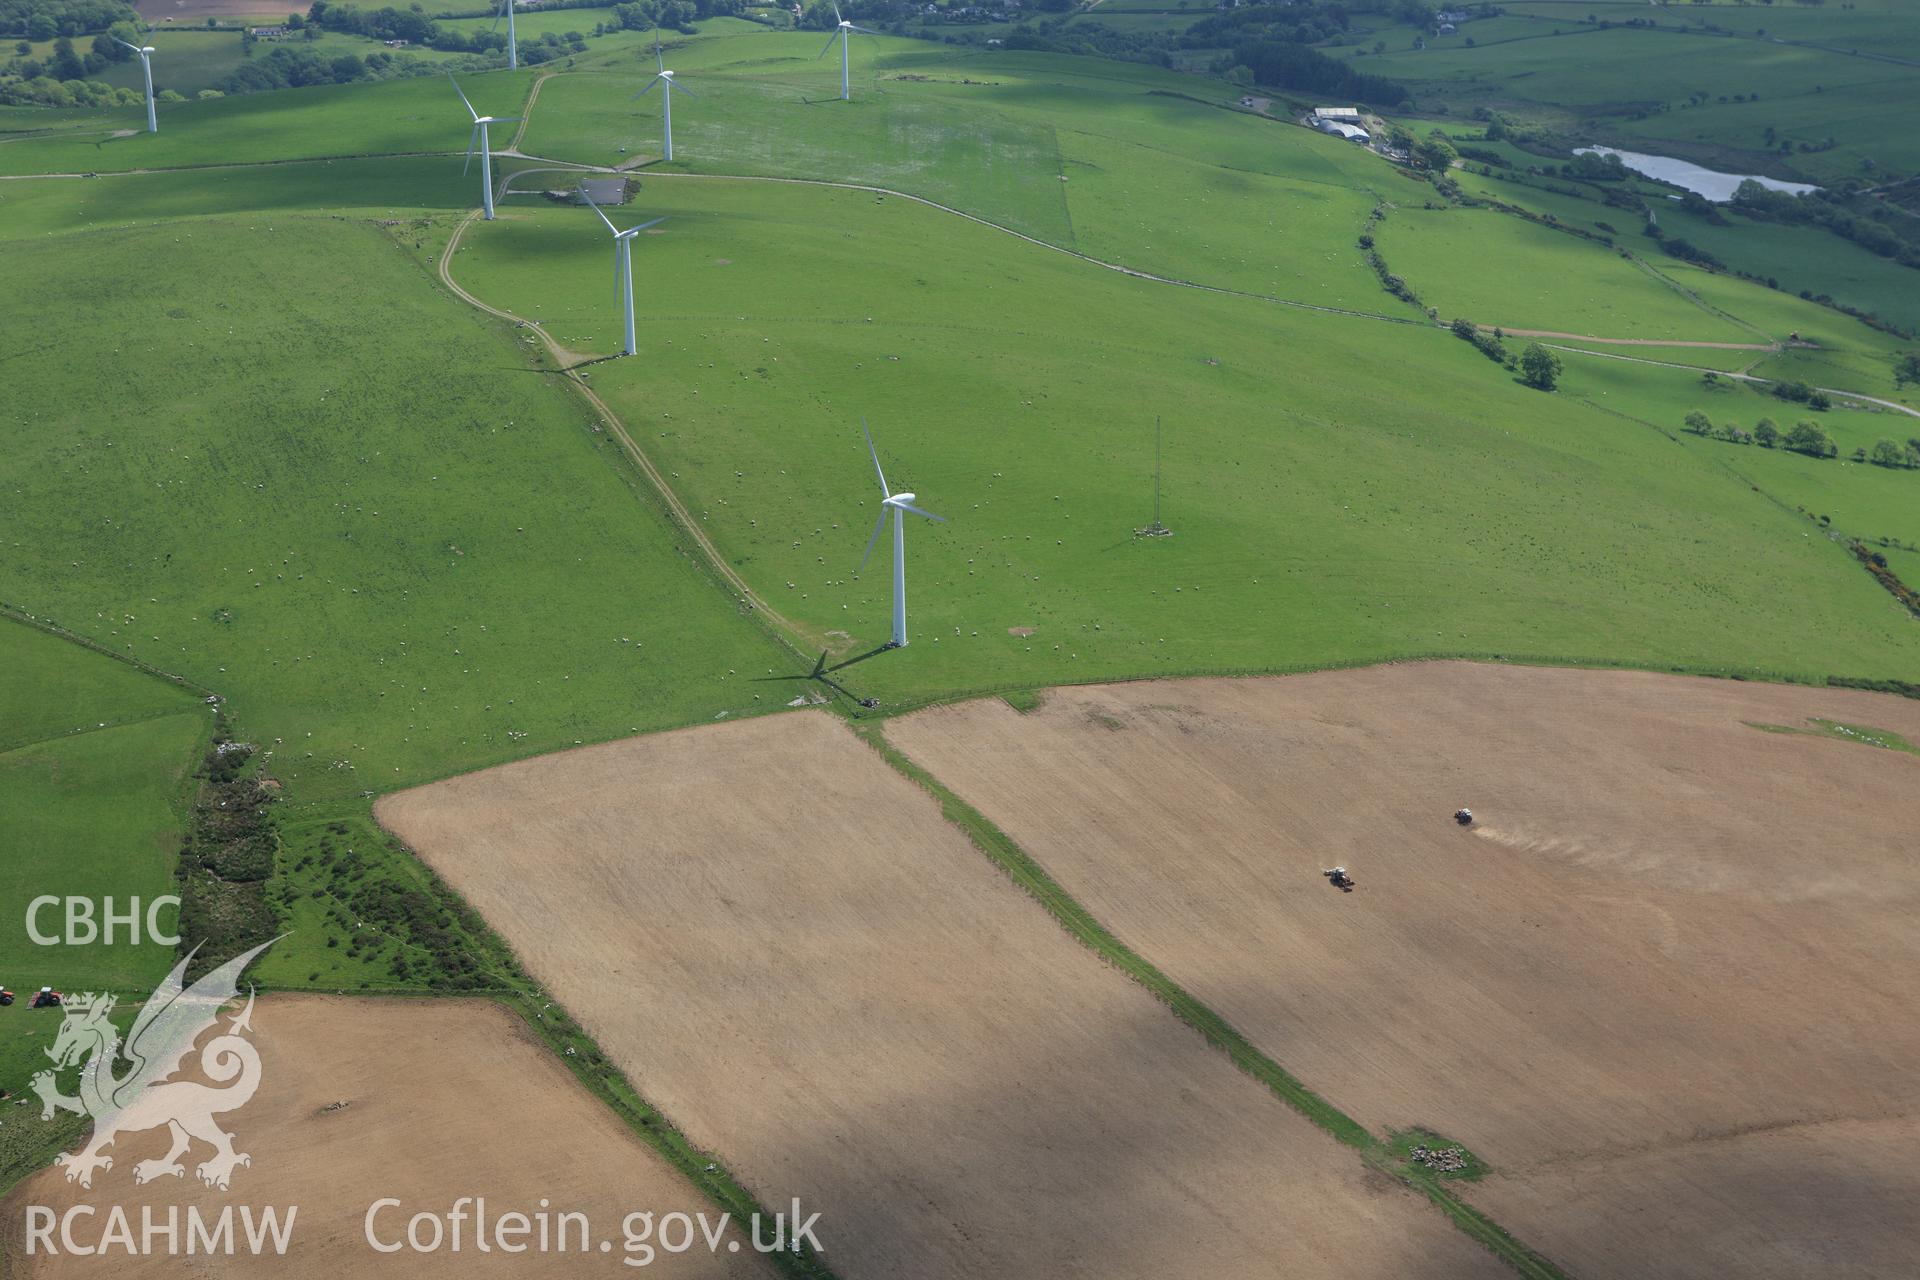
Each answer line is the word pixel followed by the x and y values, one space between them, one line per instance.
pixel 45 998
pixel 6 996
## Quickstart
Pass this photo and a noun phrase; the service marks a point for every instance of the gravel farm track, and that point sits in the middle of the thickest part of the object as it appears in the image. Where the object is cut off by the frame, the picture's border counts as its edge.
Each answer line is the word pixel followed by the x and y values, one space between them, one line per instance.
pixel 1663 985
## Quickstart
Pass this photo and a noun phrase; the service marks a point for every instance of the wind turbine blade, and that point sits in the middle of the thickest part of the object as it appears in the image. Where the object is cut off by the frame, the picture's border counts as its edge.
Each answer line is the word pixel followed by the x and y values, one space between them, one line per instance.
pixel 875 538
pixel 473 140
pixel 875 455
pixel 503 119
pixel 862 30
pixel 117 40
pixel 647 87
pixel 463 96
pixel 681 85
pixel 618 299
pixel 657 55
pixel 596 209
pixel 829 49
pixel 837 15
pixel 643 226
pixel 908 506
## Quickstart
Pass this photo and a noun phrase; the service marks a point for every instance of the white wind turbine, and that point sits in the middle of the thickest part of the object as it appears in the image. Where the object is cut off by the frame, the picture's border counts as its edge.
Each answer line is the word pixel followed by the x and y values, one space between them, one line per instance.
pixel 146 69
pixel 623 264
pixel 898 504
pixel 479 137
pixel 513 47
pixel 667 85
pixel 844 34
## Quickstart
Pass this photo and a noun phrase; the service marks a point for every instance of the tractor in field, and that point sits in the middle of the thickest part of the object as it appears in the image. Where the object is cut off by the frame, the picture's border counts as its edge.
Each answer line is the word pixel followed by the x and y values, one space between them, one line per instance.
pixel 46 998
pixel 1339 878
pixel 6 997
pixel 1463 816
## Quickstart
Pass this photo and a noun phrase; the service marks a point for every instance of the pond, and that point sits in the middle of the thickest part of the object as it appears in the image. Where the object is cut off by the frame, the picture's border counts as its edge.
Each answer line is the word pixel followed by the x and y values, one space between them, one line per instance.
pixel 1711 183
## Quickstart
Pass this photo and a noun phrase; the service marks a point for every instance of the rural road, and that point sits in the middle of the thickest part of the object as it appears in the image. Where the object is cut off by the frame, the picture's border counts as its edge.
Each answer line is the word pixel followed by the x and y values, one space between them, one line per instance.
pixel 1642 342
pixel 1737 377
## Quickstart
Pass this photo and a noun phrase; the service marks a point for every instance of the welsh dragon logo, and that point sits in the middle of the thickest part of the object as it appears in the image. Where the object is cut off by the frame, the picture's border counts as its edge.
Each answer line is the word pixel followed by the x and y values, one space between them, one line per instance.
pixel 124 1086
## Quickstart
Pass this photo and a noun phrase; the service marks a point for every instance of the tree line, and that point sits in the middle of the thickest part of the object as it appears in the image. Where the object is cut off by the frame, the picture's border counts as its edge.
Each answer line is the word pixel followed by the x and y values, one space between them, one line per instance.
pixel 43 20
pixel 1804 437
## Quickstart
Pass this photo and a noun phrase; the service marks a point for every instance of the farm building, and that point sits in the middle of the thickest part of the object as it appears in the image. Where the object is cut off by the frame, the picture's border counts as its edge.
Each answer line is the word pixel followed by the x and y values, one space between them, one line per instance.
pixel 1346 115
pixel 1341 129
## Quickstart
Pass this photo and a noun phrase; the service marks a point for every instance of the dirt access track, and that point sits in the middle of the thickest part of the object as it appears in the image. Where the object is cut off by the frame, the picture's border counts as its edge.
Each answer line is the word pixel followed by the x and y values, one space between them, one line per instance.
pixel 790 951
pixel 1665 984
pixel 444 1099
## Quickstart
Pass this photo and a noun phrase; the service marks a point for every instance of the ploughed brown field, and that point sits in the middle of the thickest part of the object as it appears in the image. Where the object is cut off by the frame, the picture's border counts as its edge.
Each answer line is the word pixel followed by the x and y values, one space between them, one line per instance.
pixel 444 1099
pixel 1665 984
pixel 789 950
pixel 196 11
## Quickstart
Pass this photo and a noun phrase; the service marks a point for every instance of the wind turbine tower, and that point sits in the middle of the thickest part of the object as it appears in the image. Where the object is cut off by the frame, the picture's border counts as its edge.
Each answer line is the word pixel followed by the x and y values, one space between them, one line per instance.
pixel 844 34
pixel 479 138
pixel 513 46
pixel 146 69
pixel 896 504
pixel 623 266
pixel 667 85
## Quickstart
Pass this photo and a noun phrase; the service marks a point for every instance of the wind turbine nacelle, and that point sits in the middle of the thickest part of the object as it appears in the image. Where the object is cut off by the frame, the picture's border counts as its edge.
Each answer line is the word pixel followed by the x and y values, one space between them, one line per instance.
pixel 897 499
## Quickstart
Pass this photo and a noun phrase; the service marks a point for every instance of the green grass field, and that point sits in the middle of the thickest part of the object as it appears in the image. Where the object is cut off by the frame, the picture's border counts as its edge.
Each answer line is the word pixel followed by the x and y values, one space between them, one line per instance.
pixel 1323 515
pixel 93 798
pixel 49 692
pixel 393 117
pixel 1806 258
pixel 1545 64
pixel 1498 270
pixel 184 60
pixel 1867 502
pixel 387 189
pixel 346 502
pixel 1127 164
pixel 837 282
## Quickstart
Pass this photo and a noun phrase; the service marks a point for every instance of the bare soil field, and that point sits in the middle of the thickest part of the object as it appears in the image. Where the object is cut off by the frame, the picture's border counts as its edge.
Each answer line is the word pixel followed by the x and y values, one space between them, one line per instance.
pixel 193 12
pixel 1841 1200
pixel 1666 929
pixel 443 1099
pixel 792 953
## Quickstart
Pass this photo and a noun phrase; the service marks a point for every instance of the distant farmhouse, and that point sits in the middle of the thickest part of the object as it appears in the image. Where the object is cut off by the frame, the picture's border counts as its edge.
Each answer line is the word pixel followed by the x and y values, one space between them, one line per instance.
pixel 268 33
pixel 1341 122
